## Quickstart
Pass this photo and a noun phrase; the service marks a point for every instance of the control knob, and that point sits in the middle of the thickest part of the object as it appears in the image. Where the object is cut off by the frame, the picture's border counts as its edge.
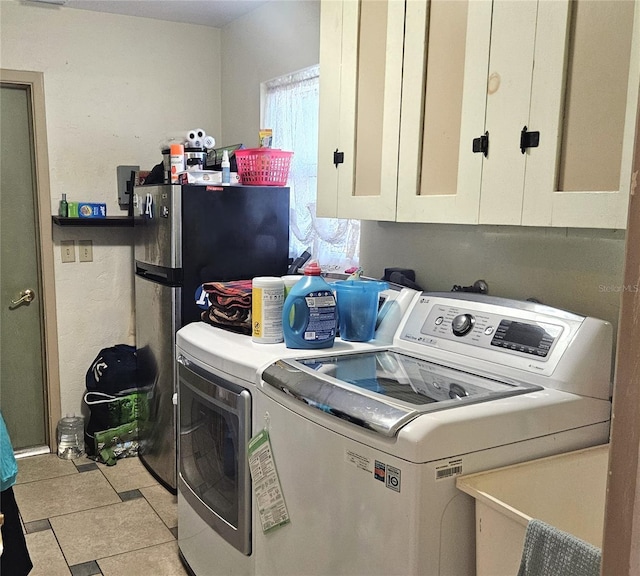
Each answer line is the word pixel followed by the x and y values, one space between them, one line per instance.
pixel 462 324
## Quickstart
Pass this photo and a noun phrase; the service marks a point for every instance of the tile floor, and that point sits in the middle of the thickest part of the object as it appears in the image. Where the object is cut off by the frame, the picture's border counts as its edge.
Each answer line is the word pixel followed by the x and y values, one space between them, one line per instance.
pixel 82 518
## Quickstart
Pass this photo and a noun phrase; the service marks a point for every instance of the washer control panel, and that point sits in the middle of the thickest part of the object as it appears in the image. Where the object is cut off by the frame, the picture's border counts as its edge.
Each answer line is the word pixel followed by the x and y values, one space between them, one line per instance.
pixel 489 326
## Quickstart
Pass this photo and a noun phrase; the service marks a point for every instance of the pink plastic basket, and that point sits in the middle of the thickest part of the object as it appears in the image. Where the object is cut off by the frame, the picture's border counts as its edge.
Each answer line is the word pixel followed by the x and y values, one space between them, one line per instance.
pixel 263 166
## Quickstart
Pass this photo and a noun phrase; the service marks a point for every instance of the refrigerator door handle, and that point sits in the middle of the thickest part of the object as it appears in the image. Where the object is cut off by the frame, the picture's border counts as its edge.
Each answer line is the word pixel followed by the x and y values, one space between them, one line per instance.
pixel 168 276
pixel 154 276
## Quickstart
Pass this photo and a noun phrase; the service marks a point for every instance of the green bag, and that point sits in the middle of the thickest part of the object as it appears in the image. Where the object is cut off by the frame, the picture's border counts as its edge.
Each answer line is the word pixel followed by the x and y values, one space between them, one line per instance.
pixel 108 411
pixel 113 430
pixel 119 442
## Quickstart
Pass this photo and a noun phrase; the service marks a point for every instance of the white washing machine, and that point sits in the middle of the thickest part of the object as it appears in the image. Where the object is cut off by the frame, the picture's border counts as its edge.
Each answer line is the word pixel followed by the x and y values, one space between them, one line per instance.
pixel 218 372
pixel 367 444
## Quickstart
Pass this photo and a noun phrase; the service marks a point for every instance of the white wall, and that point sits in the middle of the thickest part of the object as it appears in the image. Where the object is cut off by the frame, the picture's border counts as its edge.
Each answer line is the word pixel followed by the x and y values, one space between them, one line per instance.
pixel 115 87
pixel 579 270
pixel 277 38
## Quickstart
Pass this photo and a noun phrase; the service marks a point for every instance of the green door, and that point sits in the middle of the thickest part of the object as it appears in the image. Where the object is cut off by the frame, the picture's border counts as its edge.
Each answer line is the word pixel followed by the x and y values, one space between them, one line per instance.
pixel 22 376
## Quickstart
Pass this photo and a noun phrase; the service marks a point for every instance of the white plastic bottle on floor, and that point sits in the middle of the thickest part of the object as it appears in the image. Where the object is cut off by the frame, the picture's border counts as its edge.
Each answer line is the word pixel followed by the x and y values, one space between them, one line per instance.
pixel 70 436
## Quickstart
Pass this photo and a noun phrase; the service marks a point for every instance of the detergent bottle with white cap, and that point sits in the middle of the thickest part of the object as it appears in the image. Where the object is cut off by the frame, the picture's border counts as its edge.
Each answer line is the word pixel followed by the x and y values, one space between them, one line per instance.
pixel 309 313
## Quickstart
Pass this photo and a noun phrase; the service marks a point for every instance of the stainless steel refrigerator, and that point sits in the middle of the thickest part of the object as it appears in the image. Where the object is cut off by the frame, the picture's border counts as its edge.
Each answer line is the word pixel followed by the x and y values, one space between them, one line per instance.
pixel 186 235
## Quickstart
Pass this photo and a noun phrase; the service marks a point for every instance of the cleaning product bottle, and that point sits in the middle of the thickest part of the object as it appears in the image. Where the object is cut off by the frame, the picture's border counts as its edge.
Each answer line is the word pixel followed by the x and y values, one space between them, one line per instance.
pixel 63 208
pixel 176 159
pixel 267 298
pixel 309 312
pixel 226 166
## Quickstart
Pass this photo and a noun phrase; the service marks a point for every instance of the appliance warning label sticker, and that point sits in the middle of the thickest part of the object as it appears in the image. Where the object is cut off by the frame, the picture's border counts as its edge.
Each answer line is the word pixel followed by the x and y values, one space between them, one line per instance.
pixel 381 471
pixel 358 460
pixel 393 478
pixel 388 474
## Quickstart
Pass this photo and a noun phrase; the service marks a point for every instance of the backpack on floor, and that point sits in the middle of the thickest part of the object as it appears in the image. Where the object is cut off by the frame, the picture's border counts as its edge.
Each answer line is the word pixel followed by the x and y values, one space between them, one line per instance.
pixel 115 403
pixel 114 370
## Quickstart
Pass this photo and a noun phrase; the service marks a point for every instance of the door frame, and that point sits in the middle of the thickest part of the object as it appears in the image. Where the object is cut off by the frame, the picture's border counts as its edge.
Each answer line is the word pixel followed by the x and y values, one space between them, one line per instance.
pixel 34 83
pixel 620 551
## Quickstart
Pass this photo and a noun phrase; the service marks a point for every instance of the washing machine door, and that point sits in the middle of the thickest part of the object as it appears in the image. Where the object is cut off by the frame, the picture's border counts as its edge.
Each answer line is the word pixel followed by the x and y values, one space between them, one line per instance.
pixel 384 390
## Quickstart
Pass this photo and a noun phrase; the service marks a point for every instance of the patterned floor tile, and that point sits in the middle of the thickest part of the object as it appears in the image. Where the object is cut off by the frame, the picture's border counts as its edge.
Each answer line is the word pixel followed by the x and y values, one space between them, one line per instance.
pixel 108 530
pixel 162 559
pixel 112 520
pixel 43 467
pixel 163 502
pixel 85 569
pixel 37 526
pixel 63 495
pixel 46 555
pixel 130 495
pixel 127 474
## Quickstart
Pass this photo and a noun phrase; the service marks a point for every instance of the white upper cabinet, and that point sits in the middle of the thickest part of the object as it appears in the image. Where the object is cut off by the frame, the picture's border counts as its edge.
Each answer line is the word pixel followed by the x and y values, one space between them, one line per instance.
pixel 361 48
pixel 446 60
pixel 517 112
pixel 586 108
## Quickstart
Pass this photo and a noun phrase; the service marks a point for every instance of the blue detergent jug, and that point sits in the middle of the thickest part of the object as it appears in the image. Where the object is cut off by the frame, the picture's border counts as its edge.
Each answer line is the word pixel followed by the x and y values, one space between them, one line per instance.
pixel 309 312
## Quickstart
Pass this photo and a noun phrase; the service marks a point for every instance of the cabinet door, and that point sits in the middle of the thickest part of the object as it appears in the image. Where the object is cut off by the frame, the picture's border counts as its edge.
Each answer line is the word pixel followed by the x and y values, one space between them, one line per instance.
pixel 361 45
pixel 582 179
pixel 511 63
pixel 444 85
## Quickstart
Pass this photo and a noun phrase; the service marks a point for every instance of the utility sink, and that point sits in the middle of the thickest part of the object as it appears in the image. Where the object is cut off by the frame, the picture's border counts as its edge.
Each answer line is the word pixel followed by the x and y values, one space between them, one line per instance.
pixel 567 491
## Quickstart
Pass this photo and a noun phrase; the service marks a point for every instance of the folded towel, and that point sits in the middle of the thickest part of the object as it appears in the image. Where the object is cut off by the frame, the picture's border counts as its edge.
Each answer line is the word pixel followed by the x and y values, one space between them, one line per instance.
pixel 230 305
pixel 551 552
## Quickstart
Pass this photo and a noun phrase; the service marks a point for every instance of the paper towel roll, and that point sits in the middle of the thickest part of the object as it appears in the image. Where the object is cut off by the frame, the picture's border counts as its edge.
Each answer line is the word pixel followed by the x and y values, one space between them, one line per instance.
pixel 195 137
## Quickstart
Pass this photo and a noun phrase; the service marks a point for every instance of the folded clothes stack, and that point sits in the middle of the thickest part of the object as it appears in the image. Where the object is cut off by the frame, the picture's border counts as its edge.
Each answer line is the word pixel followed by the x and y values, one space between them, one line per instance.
pixel 230 305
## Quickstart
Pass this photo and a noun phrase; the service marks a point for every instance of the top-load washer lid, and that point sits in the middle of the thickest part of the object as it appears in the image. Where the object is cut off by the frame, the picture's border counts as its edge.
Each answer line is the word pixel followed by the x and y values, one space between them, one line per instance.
pixel 383 390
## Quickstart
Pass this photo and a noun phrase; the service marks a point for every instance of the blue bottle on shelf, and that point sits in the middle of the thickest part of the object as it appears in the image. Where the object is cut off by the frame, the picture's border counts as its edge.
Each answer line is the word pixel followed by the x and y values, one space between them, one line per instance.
pixel 309 313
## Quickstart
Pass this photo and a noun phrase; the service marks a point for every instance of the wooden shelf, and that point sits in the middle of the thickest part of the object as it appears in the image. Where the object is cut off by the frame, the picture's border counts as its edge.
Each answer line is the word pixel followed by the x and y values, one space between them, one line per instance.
pixel 109 221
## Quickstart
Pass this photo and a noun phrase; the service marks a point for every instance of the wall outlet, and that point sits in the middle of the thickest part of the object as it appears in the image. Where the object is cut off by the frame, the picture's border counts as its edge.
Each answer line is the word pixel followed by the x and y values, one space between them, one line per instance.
pixel 68 250
pixel 85 248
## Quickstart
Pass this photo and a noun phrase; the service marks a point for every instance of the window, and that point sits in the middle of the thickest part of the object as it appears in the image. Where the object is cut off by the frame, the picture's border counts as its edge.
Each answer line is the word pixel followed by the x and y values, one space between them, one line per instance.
pixel 290 109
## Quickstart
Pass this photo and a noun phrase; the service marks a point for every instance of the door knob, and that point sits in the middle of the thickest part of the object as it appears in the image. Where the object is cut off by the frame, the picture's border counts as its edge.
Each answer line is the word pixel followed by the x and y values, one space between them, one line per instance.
pixel 25 296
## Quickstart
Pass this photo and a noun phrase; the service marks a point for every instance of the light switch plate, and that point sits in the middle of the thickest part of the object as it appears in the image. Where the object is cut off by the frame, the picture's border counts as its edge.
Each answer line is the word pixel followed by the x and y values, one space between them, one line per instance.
pixel 85 249
pixel 68 250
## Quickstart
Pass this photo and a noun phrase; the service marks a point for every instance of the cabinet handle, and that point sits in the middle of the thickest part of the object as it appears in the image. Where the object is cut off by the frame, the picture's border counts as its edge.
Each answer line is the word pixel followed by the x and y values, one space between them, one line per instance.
pixel 528 140
pixel 338 158
pixel 482 144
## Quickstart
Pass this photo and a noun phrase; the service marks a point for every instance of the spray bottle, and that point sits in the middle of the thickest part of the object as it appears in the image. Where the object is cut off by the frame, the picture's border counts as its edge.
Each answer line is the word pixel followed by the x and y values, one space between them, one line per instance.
pixel 226 166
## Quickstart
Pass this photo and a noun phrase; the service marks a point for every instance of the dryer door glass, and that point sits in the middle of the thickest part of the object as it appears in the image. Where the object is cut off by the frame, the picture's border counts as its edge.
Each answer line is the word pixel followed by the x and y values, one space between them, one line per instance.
pixel 214 430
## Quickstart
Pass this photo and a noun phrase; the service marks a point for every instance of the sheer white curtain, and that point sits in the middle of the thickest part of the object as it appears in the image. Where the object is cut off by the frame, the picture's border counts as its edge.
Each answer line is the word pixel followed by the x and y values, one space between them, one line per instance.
pixel 290 109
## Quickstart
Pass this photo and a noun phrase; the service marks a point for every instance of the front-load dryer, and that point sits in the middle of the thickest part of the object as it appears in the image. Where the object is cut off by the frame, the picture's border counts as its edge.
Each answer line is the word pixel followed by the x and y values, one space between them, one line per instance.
pixel 217 376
